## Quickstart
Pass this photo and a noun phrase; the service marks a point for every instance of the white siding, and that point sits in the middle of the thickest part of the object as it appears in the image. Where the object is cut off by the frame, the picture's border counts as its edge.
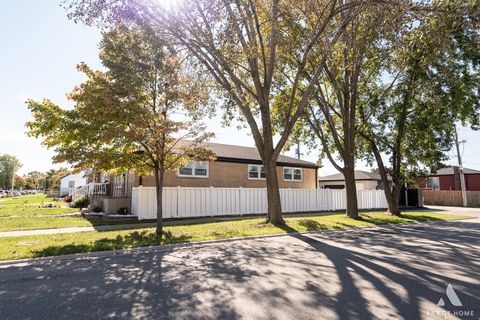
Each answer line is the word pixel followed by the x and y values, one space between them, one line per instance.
pixel 205 202
pixel 78 180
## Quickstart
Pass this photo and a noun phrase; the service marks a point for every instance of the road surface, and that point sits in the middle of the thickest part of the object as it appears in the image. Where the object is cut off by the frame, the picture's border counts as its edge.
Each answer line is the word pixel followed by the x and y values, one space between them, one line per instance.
pixel 394 272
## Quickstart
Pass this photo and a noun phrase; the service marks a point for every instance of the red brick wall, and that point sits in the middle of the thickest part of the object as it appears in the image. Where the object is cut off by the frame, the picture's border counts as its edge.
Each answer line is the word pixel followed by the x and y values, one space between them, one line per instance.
pixel 472 182
pixel 447 183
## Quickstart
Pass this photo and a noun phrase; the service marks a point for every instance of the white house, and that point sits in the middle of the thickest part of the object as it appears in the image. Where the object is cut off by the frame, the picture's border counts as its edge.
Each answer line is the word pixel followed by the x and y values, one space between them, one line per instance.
pixel 71 182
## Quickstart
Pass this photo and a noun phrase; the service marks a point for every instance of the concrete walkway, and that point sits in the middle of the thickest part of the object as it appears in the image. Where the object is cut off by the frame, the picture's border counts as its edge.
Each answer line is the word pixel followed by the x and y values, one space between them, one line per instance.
pixel 74 229
pixel 473 212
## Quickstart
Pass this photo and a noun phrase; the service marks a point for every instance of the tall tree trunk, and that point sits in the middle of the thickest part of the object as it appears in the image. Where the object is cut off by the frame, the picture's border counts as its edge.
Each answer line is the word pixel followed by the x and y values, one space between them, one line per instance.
pixel 159 178
pixel 395 210
pixel 392 192
pixel 351 191
pixel 274 205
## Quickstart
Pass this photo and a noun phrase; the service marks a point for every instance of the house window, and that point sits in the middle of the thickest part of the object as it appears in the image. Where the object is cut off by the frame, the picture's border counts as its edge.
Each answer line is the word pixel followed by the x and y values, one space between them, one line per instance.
pixel 256 172
pixel 71 184
pixel 194 169
pixel 292 174
pixel 433 183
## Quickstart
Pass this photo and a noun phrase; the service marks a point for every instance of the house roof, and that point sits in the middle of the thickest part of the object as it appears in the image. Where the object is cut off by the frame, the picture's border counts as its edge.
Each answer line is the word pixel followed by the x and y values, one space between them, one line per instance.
pixel 72 173
pixel 359 175
pixel 233 153
pixel 449 171
pixel 64 176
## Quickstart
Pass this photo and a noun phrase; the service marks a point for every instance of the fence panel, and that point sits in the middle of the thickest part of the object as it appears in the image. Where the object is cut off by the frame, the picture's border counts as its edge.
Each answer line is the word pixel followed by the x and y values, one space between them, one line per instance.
pixel 450 198
pixel 179 202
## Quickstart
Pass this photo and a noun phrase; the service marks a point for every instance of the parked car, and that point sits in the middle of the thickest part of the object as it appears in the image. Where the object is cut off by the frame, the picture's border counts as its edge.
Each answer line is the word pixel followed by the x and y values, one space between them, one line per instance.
pixel 3 194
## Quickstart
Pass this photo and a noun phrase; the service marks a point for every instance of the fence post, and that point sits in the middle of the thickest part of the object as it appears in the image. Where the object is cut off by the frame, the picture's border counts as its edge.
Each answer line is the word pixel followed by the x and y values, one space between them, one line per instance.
pixel 178 196
pixel 240 209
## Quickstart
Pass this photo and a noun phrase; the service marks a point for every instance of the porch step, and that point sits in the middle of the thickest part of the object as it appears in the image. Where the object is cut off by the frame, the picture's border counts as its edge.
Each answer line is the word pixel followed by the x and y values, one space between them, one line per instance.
pixel 109 217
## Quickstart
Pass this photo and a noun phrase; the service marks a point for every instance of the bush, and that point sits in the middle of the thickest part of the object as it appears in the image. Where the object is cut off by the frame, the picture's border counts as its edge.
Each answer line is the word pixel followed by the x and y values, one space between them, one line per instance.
pixel 97 209
pixel 122 211
pixel 82 203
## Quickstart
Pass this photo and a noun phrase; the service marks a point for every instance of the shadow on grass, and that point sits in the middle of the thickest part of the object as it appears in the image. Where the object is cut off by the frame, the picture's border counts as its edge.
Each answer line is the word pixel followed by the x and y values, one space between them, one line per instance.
pixel 132 240
pixel 312 225
pixel 394 219
pixel 421 218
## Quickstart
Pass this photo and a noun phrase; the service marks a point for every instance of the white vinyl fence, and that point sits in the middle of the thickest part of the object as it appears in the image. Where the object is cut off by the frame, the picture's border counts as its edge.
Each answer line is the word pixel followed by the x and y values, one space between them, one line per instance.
pixel 179 202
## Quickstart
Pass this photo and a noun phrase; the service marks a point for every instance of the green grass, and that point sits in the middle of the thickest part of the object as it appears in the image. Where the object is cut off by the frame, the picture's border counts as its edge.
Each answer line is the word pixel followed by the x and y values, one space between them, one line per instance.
pixel 59 244
pixel 31 205
pixel 37 223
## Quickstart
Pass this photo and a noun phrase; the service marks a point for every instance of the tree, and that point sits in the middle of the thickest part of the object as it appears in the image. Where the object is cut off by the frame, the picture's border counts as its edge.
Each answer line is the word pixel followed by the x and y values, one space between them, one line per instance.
pixel 8 166
pixel 35 180
pixel 54 177
pixel 19 182
pixel 332 115
pixel 433 82
pixel 128 116
pixel 253 50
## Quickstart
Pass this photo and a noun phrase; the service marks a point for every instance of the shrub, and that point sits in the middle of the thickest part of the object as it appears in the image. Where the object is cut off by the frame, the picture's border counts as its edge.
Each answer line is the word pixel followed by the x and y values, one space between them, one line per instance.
pixel 81 203
pixel 122 211
pixel 97 209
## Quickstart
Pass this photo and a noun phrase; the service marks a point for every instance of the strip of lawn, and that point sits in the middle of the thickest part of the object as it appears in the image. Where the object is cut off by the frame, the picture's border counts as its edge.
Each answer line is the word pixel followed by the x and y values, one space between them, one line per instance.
pixel 31 205
pixel 59 244
pixel 37 223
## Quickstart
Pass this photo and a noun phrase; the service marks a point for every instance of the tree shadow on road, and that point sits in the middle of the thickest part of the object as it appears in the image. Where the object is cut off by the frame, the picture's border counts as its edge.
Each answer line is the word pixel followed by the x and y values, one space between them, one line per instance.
pixel 404 275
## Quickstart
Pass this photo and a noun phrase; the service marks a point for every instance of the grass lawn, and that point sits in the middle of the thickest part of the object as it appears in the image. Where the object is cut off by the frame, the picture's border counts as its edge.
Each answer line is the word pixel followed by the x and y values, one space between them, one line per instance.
pixel 23 213
pixel 36 223
pixel 51 245
pixel 29 205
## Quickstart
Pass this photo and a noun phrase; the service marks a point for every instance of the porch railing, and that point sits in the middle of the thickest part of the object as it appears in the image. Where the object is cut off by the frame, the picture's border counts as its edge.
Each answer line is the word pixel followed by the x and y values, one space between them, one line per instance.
pixel 88 190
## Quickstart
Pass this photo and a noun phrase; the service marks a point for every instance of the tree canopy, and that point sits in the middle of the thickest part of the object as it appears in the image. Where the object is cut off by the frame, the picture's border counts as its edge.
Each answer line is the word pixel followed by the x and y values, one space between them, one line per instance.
pixel 8 166
pixel 432 82
pixel 131 116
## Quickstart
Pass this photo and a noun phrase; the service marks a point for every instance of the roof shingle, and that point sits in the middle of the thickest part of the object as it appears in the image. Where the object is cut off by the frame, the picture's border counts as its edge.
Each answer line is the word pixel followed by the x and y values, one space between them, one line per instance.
pixel 359 175
pixel 225 152
pixel 449 171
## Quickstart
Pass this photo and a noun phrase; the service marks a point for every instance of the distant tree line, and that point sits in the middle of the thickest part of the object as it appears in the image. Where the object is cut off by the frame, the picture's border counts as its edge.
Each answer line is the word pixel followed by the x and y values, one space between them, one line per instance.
pixel 10 165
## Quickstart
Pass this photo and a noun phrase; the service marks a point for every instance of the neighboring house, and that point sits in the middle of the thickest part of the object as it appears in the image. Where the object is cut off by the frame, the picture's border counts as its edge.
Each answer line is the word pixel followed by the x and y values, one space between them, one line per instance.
pixel 233 167
pixel 71 182
pixel 364 180
pixel 449 179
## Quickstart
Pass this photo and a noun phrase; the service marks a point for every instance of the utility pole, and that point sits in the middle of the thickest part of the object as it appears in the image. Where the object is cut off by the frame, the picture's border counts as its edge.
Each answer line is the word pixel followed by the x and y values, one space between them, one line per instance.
pixel 460 165
pixel 297 151
pixel 13 178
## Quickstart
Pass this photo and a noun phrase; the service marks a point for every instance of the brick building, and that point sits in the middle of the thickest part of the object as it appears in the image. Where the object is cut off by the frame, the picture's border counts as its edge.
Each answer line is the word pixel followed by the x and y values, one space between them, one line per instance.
pixel 449 179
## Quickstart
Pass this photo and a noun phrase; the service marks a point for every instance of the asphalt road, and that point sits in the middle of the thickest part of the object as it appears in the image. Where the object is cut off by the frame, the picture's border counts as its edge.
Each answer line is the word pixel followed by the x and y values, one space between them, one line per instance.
pixel 396 272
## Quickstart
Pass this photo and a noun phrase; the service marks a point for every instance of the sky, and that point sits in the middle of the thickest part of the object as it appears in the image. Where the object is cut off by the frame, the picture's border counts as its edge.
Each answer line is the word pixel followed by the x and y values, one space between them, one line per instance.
pixel 38 58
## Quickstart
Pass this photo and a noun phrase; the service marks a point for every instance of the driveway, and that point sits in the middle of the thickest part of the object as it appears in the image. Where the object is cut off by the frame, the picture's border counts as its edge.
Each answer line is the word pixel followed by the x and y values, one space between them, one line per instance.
pixel 462 211
pixel 394 272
